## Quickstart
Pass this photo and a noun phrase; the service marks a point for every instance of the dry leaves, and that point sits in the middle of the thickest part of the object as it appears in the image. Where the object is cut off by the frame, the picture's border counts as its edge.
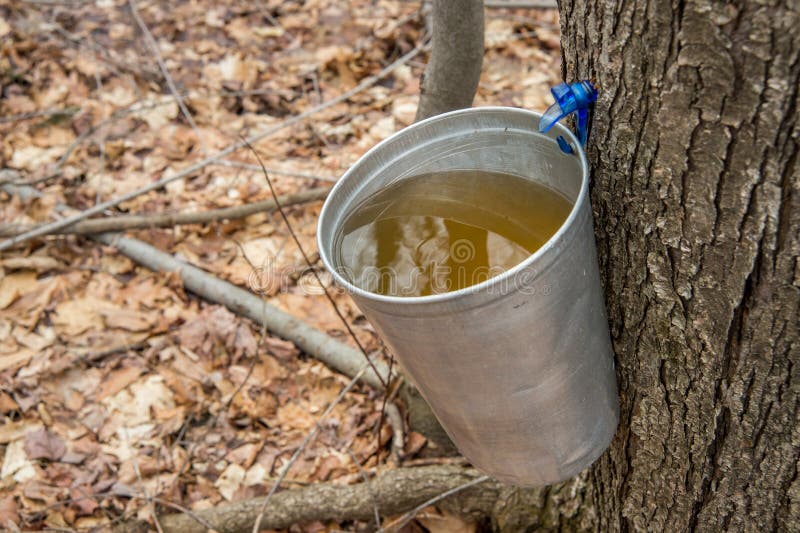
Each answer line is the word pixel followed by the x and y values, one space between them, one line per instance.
pixel 113 380
pixel 43 444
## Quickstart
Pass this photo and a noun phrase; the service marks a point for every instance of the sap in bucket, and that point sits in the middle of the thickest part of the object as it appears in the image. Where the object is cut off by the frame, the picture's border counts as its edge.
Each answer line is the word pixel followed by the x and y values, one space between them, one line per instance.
pixel 517 365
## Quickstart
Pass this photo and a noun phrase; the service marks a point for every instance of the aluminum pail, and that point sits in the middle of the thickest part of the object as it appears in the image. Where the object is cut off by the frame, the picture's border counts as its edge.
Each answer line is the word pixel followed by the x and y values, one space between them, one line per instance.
pixel 518 369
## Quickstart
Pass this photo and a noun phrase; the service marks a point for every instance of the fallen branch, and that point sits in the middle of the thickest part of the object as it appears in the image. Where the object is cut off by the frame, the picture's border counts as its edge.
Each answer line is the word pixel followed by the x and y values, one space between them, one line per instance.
pixel 394 492
pixel 317 344
pixel 153 45
pixel 156 220
pixel 333 353
pixel 314 342
pixel 310 436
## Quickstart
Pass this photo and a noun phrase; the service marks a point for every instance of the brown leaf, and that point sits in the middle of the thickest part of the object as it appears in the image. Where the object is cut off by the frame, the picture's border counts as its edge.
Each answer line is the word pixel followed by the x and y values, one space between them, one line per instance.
pixel 8 512
pixel 281 349
pixel 16 359
pixel 414 443
pixel 15 285
pixel 82 500
pixel 7 403
pixel 11 431
pixel 33 262
pixel 43 444
pixel 444 522
pixel 326 467
pixel 116 381
pixel 127 319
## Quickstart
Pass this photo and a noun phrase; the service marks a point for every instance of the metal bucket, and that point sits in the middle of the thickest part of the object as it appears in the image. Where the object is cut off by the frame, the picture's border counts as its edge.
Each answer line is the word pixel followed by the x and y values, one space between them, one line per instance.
pixel 518 369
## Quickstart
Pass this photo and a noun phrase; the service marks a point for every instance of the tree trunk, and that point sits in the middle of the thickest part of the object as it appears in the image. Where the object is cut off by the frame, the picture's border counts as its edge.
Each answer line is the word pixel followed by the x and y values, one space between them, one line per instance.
pixel 696 196
pixel 454 68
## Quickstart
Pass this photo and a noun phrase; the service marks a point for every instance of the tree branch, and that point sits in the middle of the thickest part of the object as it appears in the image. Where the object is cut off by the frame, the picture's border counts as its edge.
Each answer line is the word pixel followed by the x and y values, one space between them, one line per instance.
pixel 333 353
pixel 162 220
pixel 394 492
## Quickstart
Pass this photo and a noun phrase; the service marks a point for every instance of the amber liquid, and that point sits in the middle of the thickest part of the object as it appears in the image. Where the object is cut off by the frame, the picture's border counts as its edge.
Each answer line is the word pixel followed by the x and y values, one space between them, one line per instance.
pixel 441 232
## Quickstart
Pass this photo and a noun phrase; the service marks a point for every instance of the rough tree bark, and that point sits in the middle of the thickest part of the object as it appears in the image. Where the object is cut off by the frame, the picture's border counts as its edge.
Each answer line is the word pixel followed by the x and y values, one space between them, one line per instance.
pixel 696 195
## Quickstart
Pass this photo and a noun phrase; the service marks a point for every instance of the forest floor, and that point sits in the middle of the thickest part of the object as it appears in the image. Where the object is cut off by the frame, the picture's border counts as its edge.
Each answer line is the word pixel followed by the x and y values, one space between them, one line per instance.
pixel 121 392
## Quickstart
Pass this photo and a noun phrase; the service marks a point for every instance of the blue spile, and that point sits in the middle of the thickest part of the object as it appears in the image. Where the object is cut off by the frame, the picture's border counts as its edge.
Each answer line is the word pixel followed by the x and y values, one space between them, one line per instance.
pixel 570 98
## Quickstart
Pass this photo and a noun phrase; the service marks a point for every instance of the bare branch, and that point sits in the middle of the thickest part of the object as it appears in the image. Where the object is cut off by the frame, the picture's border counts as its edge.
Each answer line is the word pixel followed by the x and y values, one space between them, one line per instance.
pixel 50 113
pixel 153 45
pixel 309 437
pixel 162 220
pixel 394 492
pixel 333 353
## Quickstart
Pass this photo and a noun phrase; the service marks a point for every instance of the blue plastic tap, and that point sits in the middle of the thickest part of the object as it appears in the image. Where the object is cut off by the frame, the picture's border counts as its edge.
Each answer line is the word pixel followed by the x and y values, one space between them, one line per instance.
pixel 577 96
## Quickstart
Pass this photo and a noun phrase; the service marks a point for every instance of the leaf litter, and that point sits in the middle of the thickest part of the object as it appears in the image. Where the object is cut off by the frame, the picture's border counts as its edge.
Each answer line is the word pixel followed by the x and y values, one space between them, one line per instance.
pixel 115 383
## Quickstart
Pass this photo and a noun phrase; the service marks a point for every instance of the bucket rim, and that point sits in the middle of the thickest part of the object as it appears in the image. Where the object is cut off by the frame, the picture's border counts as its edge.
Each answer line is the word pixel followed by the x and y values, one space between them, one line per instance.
pixel 583 193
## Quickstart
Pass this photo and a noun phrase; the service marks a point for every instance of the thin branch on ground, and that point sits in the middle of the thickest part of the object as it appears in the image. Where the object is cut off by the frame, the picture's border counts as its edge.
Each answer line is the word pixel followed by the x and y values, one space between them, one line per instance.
pixel 50 113
pixel 403 520
pixel 167 220
pixel 396 423
pixel 309 437
pixel 395 491
pixel 372 496
pixel 290 173
pixel 51 227
pixel 336 355
pixel 314 342
pixel 103 54
pixel 101 146
pixel 313 270
pixel 83 137
pixel 153 45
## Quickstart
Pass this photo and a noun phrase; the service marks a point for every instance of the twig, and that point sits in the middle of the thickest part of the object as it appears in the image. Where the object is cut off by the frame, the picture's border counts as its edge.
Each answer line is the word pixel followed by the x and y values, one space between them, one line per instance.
pixel 200 520
pixel 335 308
pixel 396 423
pixel 135 460
pixel 101 146
pixel 403 520
pixel 372 496
pixel 119 113
pixel 104 54
pixel 64 112
pixel 309 437
pixel 161 220
pixel 310 266
pixel 290 173
pixel 153 45
pixel 51 227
